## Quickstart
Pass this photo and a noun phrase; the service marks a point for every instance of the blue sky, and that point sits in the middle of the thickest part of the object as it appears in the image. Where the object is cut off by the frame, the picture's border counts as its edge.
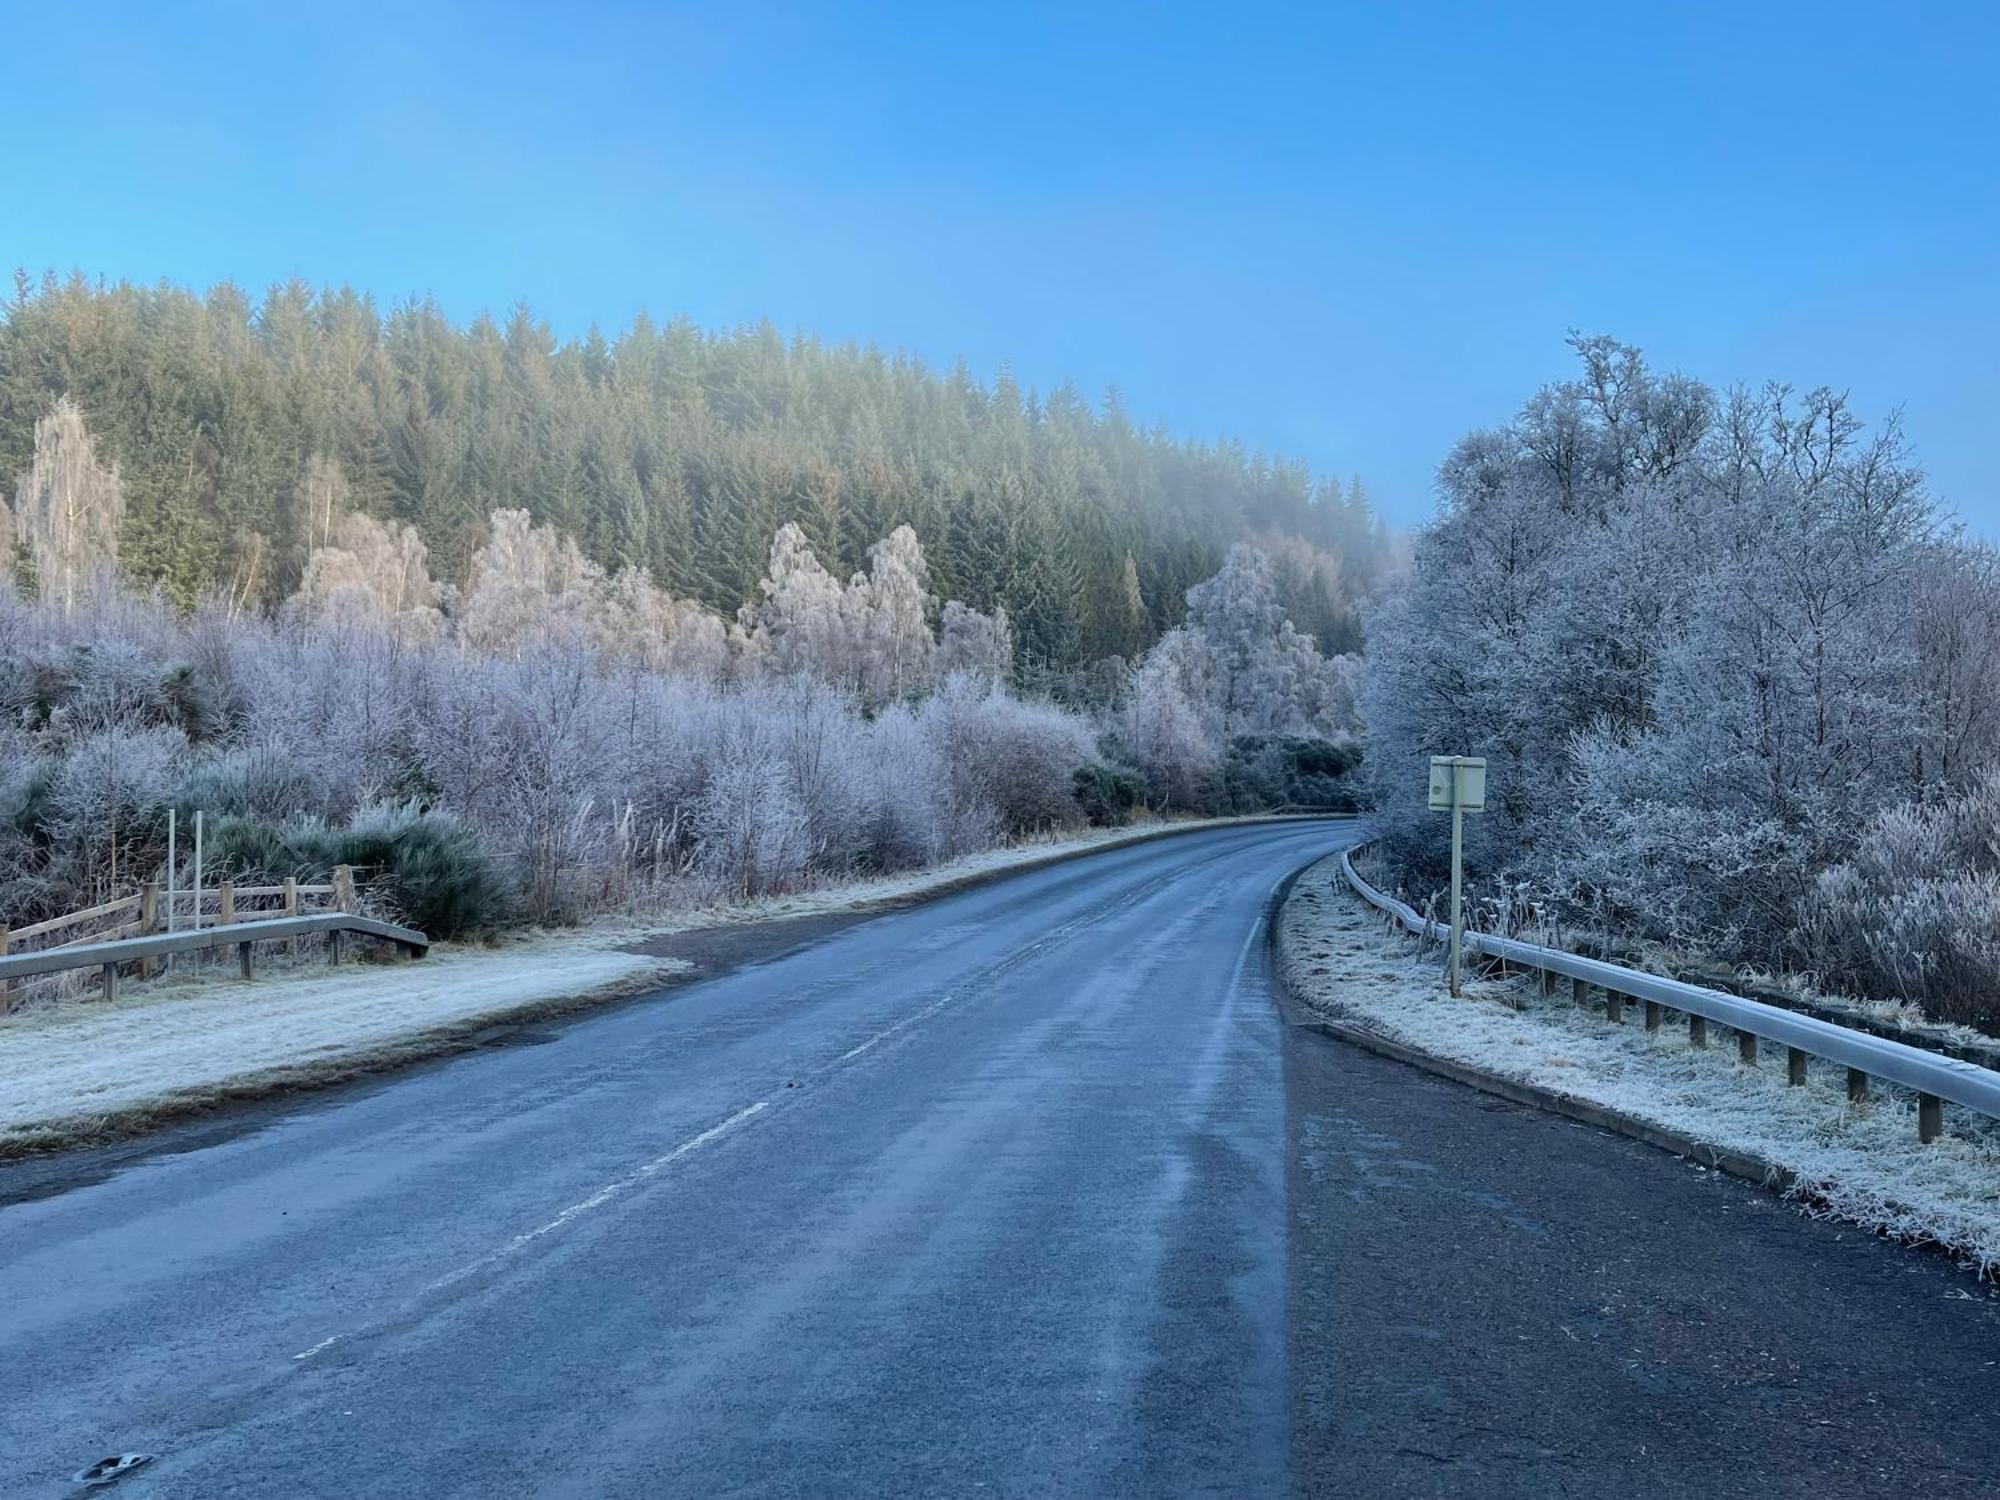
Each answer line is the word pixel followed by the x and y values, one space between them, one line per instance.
pixel 1347 233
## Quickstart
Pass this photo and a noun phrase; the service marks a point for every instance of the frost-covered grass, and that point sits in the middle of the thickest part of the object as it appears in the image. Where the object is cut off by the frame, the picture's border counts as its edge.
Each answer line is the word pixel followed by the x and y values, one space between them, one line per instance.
pixel 1861 1163
pixel 80 1069
pixel 83 1068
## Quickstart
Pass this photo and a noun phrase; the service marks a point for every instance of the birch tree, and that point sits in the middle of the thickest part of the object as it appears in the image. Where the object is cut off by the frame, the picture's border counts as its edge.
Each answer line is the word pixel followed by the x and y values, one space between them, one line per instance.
pixel 68 506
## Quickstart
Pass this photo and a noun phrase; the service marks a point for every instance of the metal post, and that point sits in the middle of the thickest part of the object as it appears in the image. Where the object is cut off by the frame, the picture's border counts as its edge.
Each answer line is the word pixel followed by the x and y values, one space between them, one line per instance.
pixel 111 981
pixel 197 872
pixel 243 960
pixel 1457 916
pixel 173 890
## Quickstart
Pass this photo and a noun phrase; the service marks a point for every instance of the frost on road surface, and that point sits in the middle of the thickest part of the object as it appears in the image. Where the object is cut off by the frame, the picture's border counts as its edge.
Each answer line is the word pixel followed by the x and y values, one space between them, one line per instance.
pixel 1860 1163
pixel 83 1068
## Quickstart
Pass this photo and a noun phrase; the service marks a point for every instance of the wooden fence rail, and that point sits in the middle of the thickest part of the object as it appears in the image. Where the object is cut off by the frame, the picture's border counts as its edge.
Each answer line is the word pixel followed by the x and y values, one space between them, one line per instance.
pixel 156 913
pixel 108 957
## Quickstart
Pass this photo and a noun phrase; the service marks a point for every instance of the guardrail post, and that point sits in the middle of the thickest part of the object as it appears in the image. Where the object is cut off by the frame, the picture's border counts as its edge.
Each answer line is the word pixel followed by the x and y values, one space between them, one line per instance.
pixel 1548 982
pixel 1614 1007
pixel 1930 1118
pixel 1795 1066
pixel 1746 1048
pixel 1857 1085
pixel 1579 993
pixel 243 959
pixel 333 946
pixel 1652 1015
pixel 111 981
pixel 1697 1030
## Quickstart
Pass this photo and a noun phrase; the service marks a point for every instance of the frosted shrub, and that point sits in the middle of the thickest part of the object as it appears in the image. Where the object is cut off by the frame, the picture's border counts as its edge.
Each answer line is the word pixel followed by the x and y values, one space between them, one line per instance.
pixel 1915 914
pixel 117 778
pixel 752 829
pixel 1018 759
pixel 911 817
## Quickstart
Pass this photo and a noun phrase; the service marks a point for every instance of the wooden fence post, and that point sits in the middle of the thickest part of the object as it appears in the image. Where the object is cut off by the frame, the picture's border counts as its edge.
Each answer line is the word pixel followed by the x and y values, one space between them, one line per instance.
pixel 149 923
pixel 1930 1118
pixel 292 910
pixel 225 894
pixel 343 888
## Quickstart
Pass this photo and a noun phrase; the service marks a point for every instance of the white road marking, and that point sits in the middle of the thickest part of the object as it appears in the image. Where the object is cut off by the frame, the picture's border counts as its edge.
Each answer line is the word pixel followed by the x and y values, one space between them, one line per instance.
pixel 612 1190
pixel 582 1206
pixel 882 1036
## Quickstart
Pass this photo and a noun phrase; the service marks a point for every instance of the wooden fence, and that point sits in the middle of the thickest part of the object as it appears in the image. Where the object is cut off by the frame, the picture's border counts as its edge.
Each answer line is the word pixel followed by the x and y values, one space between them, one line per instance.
pixel 146 912
pixel 140 927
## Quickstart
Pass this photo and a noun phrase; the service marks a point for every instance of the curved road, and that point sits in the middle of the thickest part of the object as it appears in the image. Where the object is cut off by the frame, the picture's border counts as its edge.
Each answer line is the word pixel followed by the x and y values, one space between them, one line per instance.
pixel 1026 1191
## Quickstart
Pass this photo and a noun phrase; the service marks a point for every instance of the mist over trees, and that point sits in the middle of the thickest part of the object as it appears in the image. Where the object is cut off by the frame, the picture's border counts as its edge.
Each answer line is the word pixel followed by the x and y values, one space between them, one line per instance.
pixel 1727 663
pixel 229 439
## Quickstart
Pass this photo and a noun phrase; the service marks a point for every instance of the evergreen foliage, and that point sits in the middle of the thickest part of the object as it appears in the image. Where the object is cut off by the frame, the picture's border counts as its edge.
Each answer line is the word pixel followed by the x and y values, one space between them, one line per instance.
pixel 234 436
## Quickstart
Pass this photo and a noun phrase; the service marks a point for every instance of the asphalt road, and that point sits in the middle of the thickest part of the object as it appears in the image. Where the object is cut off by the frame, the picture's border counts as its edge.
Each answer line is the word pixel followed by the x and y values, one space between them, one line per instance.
pixel 1028 1191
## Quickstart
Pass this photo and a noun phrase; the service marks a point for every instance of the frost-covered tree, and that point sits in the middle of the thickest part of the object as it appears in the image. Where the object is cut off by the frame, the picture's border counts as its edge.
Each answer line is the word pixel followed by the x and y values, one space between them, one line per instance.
pixel 980 645
pixel 372 570
pixel 1701 642
pixel 892 605
pixel 68 507
pixel 523 580
pixel 1235 673
pixel 804 622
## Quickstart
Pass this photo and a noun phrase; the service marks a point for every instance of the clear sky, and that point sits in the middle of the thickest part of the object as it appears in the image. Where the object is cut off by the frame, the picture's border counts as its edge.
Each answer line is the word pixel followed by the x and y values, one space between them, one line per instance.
pixel 1343 232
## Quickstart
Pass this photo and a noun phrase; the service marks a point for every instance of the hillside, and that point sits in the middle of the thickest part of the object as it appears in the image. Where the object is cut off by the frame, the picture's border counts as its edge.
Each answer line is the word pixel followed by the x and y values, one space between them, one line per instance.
pixel 233 423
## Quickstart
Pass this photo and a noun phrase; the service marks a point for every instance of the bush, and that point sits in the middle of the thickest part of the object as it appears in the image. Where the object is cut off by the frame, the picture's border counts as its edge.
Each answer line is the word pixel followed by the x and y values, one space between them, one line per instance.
pixel 1107 794
pixel 427 865
pixel 1915 915
pixel 430 866
pixel 1271 771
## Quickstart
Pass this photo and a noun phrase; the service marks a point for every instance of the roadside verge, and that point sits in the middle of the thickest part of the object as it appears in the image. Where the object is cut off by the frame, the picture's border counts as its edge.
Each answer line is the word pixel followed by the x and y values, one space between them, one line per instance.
pixel 1344 976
